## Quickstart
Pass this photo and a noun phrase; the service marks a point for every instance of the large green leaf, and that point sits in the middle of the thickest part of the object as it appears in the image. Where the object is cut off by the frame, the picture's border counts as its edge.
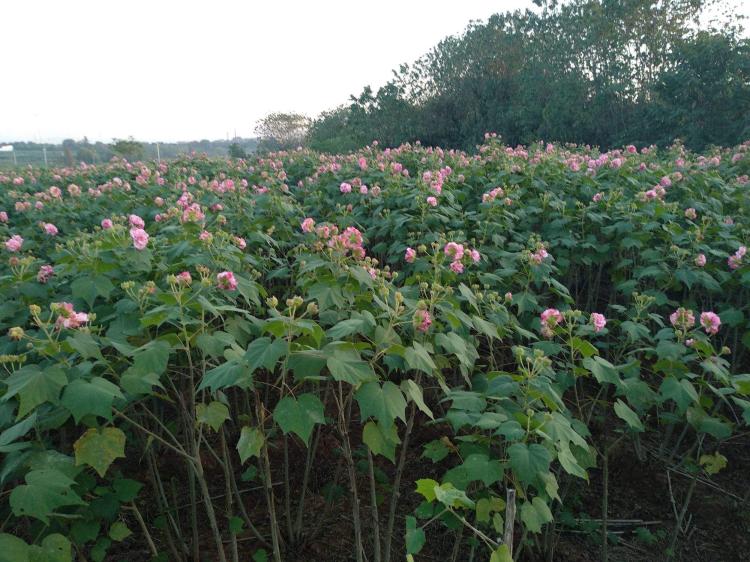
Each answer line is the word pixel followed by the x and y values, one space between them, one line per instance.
pixel 529 462
pixel 381 440
pixel 99 448
pixel 299 415
pixel 535 514
pixel 346 365
pixel 250 443
pixel 265 352
pixel 384 403
pixel 45 491
pixel 35 386
pixel 82 398
pixel 214 414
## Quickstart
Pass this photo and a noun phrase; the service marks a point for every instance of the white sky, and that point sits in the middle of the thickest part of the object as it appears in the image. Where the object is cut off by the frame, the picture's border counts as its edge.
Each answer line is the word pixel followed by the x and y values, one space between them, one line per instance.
pixel 182 70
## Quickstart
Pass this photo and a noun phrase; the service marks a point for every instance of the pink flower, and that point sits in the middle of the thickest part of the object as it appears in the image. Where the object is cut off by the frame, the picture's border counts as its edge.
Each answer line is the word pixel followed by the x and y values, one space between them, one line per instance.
pixel 345 187
pixel 140 238
pixel 14 243
pixel 226 281
pixel 240 242
pixel 45 273
pixel 205 236
pixel 50 228
pixel 363 189
pixel 597 197
pixel 422 320
pixel 3 216
pixel 457 267
pixel 159 201
pixel 362 163
pixel 551 317
pixel 136 221
pixel 454 251
pixel 308 224
pixel 508 297
pixel 691 214
pixel 475 256
pixel 106 224
pixel 67 317
pixel 184 278
pixel 682 319
pixel 431 201
pixel 710 322
pixel 410 255
pixel 700 260
pixel 599 321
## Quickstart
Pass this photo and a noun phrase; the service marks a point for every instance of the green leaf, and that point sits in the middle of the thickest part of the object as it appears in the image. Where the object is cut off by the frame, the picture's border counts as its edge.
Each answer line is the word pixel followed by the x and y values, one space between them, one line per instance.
pixel 299 415
pixel 126 489
pixel 680 391
pixel 250 443
pixel 119 531
pixel 13 549
pixel 35 386
pixel 415 538
pixel 602 370
pixel 414 392
pixel 381 441
pixel 346 328
pixel 534 514
pixel 14 432
pixel 54 548
pixel 346 366
pixel 83 288
pixel 705 423
pixel 151 358
pixel 418 358
pixel 84 344
pixel 426 487
pixel 449 496
pixel 265 352
pixel 384 403
pixel 45 490
pixel 99 449
pixel 529 462
pixel 230 373
pixel 82 398
pixel 585 348
pixel 502 554
pixel 713 464
pixel 624 412
pixel 213 414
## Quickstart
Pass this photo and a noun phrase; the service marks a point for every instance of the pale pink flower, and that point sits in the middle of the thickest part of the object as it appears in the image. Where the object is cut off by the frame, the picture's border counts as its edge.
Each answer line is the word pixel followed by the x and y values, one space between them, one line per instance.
pixel 3 216
pixel 136 221
pixel 184 278
pixel 226 281
pixel 308 224
pixel 710 322
pixel 140 238
pixel 50 228
pixel 422 320
pixel 475 256
pixel 45 273
pixel 432 201
pixel 106 224
pixel 682 319
pixel 597 197
pixel 410 255
pixel 454 251
pixel 14 243
pixel 691 214
pixel 700 260
pixel 345 187
pixel 457 267
pixel 599 321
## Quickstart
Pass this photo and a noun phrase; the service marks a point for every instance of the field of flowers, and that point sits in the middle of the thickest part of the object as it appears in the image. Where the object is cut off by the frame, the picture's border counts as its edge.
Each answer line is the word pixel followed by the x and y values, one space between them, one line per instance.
pixel 399 352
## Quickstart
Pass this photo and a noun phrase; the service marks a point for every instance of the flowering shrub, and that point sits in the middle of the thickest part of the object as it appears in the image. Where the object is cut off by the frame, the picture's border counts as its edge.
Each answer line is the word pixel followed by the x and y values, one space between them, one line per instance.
pixel 436 337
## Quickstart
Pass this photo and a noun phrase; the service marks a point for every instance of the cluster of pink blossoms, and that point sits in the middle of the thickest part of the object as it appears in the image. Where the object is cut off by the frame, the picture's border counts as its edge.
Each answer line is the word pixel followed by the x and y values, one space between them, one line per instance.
pixel 599 321
pixel 348 241
pixel 50 228
pixel 67 317
pixel 459 255
pixel 550 318
pixel 226 281
pixel 140 238
pixel 734 261
pixel 45 273
pixel 539 255
pixel 683 319
pixel 14 243
pixel 422 320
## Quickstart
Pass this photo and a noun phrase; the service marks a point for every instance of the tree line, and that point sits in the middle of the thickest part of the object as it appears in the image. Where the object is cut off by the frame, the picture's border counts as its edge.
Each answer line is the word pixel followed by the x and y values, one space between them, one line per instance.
pixel 599 72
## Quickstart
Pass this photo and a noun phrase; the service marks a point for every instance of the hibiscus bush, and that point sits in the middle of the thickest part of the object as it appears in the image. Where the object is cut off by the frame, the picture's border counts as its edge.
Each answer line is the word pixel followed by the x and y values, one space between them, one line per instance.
pixel 409 350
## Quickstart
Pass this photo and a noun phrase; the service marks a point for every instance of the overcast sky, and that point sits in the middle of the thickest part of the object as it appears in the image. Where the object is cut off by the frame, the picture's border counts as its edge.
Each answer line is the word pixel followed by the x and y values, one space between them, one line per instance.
pixel 182 70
